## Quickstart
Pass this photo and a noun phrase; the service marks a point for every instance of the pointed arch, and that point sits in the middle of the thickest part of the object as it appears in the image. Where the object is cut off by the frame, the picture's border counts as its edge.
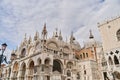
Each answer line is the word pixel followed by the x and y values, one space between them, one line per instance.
pixel 31 68
pixel 23 52
pixel 116 61
pixel 57 66
pixel 110 61
pixel 23 70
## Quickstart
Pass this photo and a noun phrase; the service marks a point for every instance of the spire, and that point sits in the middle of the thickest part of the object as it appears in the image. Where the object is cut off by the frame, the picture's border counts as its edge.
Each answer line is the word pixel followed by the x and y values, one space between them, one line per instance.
pixel 44 32
pixel 36 35
pixel 91 35
pixel 56 34
pixel 72 38
pixel 53 35
pixel 60 36
pixel 30 40
pixel 25 37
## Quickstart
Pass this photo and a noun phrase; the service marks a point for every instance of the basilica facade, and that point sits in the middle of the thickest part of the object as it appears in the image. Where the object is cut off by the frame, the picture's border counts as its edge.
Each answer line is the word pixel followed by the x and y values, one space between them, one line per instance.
pixel 44 59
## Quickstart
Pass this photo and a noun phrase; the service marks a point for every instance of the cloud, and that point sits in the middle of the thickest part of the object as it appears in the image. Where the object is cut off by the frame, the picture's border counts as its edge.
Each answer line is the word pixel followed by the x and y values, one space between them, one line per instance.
pixel 18 17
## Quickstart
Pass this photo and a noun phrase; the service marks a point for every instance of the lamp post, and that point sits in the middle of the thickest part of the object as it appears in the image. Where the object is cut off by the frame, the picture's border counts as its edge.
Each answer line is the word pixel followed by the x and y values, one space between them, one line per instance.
pixel 2 57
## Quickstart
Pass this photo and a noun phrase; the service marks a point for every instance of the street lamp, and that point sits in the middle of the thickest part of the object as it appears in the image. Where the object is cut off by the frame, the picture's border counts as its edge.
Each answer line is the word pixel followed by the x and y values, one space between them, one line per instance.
pixel 2 57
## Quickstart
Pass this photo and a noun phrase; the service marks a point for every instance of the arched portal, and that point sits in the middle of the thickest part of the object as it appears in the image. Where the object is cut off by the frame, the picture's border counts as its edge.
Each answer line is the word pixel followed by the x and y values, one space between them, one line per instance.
pixel 57 66
pixel 15 70
pixel 23 70
pixel 31 71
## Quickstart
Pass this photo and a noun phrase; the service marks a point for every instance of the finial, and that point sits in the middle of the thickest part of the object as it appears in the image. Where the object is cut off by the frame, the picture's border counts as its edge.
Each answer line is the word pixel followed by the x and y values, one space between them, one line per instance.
pixel 36 35
pixel 25 36
pixel 44 30
pixel 91 35
pixel 30 40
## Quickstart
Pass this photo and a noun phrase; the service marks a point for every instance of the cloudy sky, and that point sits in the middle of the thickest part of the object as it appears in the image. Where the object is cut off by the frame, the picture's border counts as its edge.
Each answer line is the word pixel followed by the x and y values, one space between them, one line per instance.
pixel 18 17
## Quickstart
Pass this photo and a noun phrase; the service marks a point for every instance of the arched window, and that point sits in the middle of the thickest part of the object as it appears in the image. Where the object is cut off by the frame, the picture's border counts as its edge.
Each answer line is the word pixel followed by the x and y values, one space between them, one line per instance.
pixel 69 65
pixel 86 54
pixel 110 61
pixel 23 52
pixel 118 35
pixel 47 62
pixel 116 60
pixel 83 55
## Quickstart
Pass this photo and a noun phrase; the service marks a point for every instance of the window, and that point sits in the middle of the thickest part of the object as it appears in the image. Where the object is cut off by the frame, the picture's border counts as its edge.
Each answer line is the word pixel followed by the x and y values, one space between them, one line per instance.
pixel 110 61
pixel 87 54
pixel 116 61
pixel 23 52
pixel 83 55
pixel 84 72
pixel 68 73
pixel 118 35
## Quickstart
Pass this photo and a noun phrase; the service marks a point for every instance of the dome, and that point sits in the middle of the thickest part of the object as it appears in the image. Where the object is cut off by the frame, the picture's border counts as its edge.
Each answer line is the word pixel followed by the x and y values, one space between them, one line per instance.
pixel 76 45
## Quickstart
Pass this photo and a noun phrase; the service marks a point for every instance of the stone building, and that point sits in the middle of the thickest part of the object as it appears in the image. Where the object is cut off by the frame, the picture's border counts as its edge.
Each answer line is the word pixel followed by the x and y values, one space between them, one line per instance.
pixel 90 59
pixel 44 59
pixel 110 33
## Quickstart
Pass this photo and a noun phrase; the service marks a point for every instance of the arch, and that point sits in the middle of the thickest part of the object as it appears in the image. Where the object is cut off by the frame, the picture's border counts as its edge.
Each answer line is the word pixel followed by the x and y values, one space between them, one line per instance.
pixel 68 73
pixel 15 67
pixel 69 65
pixel 47 61
pixel 23 70
pixel 83 55
pixel 66 49
pixel 118 35
pixel 52 44
pixel 15 70
pixel 110 61
pixel 116 61
pixel 31 68
pixel 39 61
pixel 57 66
pixel 23 52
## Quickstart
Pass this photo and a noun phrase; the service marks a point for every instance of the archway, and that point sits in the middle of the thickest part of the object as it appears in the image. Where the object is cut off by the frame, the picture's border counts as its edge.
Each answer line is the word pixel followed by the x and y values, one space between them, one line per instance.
pixel 23 70
pixel 57 66
pixel 39 69
pixel 15 70
pixel 116 61
pixel 31 71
